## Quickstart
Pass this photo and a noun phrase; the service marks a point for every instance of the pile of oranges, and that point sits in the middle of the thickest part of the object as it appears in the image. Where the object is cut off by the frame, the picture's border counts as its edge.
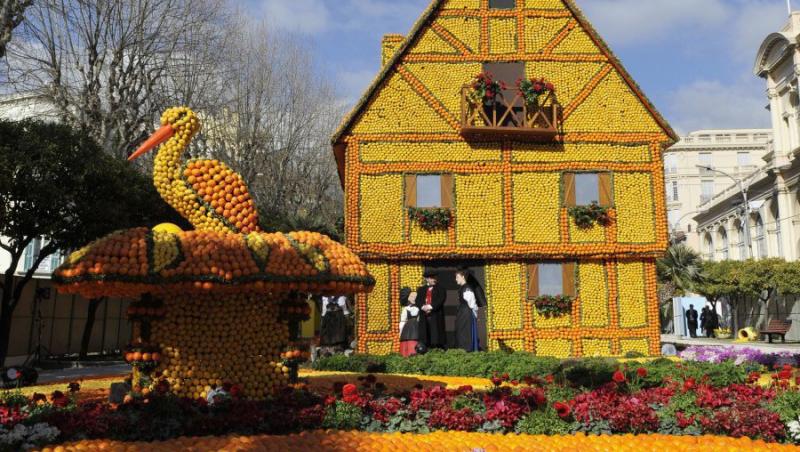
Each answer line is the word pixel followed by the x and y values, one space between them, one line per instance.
pixel 449 441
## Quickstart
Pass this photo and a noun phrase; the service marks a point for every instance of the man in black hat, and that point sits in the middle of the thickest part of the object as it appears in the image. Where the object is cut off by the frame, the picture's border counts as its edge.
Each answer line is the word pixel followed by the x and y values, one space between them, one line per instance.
pixel 430 300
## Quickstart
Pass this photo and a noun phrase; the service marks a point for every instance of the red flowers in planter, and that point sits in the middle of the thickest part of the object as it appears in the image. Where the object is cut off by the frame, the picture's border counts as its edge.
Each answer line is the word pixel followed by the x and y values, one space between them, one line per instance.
pixel 350 393
pixel 619 377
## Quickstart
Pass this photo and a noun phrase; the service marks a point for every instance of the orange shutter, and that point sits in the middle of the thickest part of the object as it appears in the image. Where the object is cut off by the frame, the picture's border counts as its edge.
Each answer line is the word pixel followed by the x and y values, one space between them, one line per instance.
pixel 411 190
pixel 568 189
pixel 447 190
pixel 568 279
pixel 533 281
pixel 606 195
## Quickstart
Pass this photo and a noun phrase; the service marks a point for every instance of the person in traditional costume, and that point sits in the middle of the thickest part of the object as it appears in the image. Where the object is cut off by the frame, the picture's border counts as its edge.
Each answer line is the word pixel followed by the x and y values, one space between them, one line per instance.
pixel 470 299
pixel 333 330
pixel 409 322
pixel 430 300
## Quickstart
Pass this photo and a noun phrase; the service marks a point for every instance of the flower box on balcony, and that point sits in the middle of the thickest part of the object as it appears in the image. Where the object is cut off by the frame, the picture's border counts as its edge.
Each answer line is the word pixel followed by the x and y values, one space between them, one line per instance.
pixel 502 118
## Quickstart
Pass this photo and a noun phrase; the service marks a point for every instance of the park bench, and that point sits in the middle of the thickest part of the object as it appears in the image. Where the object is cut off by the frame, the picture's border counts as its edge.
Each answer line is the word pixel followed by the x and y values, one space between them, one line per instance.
pixel 777 327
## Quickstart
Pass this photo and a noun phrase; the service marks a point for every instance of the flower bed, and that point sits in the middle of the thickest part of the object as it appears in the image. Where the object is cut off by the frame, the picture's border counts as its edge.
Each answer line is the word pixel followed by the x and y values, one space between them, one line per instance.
pixel 321 440
pixel 668 399
pixel 739 355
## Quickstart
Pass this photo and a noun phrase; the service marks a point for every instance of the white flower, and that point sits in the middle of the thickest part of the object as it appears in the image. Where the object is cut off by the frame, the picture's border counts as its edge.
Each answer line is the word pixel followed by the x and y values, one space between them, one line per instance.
pixel 794 430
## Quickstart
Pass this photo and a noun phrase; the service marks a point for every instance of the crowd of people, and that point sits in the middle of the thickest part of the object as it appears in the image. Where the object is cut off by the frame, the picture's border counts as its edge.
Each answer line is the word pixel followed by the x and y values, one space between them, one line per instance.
pixel 708 321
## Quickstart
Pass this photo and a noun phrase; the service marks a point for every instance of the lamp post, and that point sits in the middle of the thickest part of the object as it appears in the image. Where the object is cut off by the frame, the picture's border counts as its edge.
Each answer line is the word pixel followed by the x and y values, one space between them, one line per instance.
pixel 745 212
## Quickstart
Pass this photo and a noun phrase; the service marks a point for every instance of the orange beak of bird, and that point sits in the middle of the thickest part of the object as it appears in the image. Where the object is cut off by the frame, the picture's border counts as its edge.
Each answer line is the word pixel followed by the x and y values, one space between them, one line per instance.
pixel 161 135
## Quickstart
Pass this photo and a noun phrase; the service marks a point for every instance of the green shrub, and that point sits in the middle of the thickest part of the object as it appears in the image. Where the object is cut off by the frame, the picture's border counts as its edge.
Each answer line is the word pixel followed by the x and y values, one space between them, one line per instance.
pixel 342 416
pixel 542 422
pixel 446 363
pixel 587 373
pixel 787 405
pixel 556 393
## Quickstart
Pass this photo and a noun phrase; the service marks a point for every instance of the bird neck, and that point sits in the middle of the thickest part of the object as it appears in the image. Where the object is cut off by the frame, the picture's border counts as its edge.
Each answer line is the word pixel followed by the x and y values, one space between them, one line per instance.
pixel 167 169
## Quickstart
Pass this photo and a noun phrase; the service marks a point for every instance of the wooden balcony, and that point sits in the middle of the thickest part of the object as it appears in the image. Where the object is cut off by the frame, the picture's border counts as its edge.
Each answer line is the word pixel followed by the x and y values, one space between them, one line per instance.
pixel 515 120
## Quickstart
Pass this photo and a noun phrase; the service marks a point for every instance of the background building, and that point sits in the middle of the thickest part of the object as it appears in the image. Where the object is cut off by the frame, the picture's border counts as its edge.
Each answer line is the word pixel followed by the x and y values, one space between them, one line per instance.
pixel 737 152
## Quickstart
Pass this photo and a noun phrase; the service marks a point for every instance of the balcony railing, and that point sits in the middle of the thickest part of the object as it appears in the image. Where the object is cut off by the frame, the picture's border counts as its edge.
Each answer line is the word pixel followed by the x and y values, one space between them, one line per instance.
pixel 515 119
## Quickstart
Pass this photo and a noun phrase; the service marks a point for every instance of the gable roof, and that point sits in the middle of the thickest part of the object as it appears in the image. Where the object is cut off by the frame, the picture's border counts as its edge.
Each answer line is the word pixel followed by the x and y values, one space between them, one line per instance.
pixel 419 27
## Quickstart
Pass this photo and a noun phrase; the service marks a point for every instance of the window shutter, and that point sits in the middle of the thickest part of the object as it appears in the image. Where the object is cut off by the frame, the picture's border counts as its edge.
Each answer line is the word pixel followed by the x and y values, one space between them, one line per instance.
pixel 447 191
pixel 411 190
pixel 568 280
pixel 604 188
pixel 568 188
pixel 533 281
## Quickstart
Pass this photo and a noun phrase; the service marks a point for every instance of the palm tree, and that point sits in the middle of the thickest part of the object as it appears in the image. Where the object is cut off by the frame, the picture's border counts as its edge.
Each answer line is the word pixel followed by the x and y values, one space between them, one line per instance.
pixel 681 268
pixel 678 272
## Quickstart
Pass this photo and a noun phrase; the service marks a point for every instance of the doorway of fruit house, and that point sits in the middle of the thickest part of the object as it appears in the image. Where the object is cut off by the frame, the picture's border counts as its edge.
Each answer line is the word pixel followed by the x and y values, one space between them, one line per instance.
pixel 446 271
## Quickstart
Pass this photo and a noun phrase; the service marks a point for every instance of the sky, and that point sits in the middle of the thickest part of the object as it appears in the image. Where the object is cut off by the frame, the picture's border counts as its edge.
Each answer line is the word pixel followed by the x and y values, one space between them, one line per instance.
pixel 693 58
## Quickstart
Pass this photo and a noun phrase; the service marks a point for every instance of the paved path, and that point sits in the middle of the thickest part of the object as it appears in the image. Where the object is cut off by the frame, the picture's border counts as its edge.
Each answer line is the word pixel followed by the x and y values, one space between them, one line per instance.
pixel 77 373
pixel 763 346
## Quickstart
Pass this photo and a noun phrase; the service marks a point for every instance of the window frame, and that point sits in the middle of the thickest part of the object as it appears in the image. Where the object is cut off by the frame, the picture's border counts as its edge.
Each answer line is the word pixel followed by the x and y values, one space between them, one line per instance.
pixel 569 278
pixel 513 2
pixel 446 184
pixel 605 188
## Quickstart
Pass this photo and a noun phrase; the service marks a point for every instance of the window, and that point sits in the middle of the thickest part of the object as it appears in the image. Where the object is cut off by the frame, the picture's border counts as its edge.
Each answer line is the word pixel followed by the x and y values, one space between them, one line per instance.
pixel 581 189
pixel 743 159
pixel 707 190
pixel 671 163
pixel 32 253
pixel 508 73
pixel 708 247
pixel 674 190
pixel 706 161
pixel 429 190
pixel 502 4
pixel 551 279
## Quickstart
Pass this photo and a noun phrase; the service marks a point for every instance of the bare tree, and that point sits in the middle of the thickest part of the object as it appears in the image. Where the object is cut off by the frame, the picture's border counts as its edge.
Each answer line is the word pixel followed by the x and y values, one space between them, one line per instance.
pixel 11 15
pixel 272 123
pixel 102 62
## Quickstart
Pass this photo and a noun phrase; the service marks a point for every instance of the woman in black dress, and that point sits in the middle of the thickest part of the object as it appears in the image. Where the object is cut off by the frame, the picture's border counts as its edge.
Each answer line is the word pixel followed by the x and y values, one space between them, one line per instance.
pixel 333 331
pixel 470 299
pixel 409 322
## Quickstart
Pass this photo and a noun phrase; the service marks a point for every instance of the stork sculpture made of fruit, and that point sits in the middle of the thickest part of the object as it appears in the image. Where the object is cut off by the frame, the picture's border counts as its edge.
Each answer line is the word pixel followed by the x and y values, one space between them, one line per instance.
pixel 207 307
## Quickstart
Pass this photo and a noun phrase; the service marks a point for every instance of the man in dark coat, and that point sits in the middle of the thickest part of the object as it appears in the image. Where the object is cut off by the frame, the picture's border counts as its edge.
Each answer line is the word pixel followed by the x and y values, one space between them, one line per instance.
pixel 430 300
pixel 691 320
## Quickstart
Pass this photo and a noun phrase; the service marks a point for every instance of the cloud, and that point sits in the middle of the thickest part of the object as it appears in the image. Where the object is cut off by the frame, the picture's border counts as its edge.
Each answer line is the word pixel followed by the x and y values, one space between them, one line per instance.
pixel 633 22
pixel 755 20
pixel 297 16
pixel 711 104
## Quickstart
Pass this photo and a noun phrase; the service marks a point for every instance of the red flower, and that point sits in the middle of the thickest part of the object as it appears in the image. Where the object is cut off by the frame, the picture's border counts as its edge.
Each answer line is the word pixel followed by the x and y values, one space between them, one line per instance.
pixel 689 384
pixel 549 378
pixel 753 377
pixel 235 391
pixel 785 374
pixel 562 409
pixel 349 390
pixel 618 377
pixel 550 87
pixel 497 381
pixel 641 372
pixel 505 377
pixel 330 400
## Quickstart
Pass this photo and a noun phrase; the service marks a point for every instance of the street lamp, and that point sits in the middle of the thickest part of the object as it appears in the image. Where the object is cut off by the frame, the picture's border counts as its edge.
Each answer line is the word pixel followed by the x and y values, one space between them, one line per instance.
pixel 745 212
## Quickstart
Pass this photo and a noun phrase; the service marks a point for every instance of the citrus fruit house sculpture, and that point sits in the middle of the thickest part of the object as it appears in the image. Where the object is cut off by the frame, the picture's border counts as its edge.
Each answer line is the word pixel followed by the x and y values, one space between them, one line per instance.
pixel 209 301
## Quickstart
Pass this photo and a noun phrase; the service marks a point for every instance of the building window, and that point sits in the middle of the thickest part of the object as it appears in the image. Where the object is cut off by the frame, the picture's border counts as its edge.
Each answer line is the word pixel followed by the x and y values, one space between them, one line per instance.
pixel 778 237
pixel 675 190
pixel 582 189
pixel 551 279
pixel 508 73
pixel 502 4
pixel 743 159
pixel 760 238
pixel 671 163
pixel 429 190
pixel 723 239
pixel 673 216
pixel 32 253
pixel 706 161
pixel 707 190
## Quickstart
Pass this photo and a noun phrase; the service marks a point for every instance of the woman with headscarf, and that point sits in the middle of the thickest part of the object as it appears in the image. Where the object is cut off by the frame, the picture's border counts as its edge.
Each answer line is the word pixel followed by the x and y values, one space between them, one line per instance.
pixel 409 322
pixel 470 299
